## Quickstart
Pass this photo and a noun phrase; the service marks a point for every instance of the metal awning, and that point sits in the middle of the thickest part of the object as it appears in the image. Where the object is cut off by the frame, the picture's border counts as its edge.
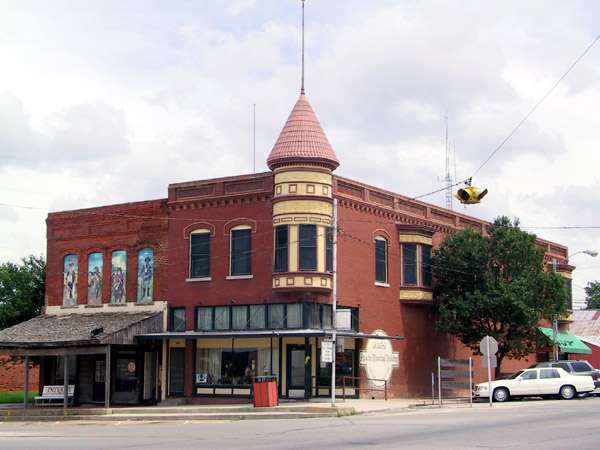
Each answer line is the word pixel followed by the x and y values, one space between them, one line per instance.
pixel 568 343
pixel 309 332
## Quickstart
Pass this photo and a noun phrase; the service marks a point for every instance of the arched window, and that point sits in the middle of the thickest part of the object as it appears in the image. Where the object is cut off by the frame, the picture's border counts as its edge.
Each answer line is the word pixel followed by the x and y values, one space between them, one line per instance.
pixel 95 281
pixel 145 275
pixel 118 277
pixel 240 251
pixel 70 268
pixel 381 260
pixel 200 254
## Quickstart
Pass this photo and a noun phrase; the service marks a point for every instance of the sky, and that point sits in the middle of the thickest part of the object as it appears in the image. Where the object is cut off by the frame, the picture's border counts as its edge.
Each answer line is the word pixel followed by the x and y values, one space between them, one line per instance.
pixel 107 101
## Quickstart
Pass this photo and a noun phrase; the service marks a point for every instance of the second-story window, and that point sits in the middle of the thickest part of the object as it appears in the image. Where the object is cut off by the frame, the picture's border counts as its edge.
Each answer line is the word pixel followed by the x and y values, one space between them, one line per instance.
pixel 426 265
pixel 409 264
pixel 241 251
pixel 308 247
pixel 281 248
pixel 200 254
pixel 381 260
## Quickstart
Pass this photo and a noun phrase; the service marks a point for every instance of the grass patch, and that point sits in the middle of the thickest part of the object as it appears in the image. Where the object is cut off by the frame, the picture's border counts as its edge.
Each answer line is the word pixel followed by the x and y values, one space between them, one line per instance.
pixel 15 397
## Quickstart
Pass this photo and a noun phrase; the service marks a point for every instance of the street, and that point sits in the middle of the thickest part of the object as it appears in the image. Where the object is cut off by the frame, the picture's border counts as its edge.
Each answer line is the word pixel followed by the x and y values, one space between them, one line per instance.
pixel 525 424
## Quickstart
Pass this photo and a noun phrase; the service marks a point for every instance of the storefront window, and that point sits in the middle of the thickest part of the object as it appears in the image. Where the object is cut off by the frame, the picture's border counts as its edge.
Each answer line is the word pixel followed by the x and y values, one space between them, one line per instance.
pixel 344 367
pixel 237 367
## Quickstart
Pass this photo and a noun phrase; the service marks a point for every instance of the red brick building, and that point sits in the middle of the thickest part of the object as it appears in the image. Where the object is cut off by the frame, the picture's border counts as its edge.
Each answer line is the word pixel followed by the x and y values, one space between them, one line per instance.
pixel 226 279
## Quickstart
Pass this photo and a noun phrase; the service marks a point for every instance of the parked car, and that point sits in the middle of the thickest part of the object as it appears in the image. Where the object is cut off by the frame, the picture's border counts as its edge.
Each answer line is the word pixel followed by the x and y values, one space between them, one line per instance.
pixel 575 367
pixel 536 382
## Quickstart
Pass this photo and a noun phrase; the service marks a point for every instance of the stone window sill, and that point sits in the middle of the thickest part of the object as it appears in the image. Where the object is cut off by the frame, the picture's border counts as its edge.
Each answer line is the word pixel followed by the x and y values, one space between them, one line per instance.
pixel 240 277
pixel 193 280
pixel 93 306
pixel 117 304
pixel 69 306
pixel 380 284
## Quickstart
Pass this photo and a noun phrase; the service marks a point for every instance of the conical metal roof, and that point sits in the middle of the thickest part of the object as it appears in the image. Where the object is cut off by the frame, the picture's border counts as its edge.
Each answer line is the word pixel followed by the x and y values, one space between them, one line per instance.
pixel 302 139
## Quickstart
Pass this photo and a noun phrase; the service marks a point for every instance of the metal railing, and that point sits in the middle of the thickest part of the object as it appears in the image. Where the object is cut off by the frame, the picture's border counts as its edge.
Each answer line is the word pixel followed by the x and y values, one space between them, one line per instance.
pixel 354 386
pixel 384 389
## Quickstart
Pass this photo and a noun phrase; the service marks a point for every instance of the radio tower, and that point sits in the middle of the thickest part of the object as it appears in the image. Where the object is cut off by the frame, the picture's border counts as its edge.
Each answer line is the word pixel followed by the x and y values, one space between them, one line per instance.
pixel 448 177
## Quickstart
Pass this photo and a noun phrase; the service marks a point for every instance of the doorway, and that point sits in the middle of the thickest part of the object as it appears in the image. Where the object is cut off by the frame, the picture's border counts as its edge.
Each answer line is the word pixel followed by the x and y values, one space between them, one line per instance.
pixel 176 372
pixel 298 371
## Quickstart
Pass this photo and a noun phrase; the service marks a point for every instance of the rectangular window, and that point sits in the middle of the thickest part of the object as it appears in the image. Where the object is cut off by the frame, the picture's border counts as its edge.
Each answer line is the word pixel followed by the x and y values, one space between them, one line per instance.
pixel 276 316
pixel 239 317
pixel 409 264
pixel 329 250
pixel 308 247
pixel 312 315
pixel 294 315
pixel 426 265
pixel 281 248
pixel 581 367
pixel 549 373
pixel 257 316
pixel 381 260
pixel 204 318
pixel 199 255
pixel 221 317
pixel 326 315
pixel 241 252
pixel 177 319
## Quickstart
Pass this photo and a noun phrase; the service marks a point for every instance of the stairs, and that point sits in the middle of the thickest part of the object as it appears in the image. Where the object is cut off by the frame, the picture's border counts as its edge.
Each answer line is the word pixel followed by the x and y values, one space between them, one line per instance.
pixel 170 413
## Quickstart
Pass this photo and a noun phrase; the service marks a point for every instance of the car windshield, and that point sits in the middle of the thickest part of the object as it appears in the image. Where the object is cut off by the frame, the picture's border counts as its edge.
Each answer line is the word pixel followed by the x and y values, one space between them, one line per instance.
pixel 513 376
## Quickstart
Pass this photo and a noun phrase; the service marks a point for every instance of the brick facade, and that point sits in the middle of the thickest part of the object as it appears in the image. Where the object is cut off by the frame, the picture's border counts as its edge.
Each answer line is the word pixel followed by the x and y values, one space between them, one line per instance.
pixel 12 374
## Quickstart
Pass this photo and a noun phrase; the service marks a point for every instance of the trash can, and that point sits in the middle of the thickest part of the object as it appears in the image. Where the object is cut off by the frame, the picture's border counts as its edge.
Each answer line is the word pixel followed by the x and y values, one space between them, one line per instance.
pixel 265 391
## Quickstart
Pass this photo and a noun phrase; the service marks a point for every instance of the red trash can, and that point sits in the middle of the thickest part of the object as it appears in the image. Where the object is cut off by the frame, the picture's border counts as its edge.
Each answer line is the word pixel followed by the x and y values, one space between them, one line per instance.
pixel 265 391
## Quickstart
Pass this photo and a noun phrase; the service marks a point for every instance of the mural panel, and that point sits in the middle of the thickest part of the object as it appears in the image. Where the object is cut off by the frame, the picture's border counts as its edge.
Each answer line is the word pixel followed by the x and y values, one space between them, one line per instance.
pixel 118 276
pixel 145 275
pixel 70 268
pixel 95 265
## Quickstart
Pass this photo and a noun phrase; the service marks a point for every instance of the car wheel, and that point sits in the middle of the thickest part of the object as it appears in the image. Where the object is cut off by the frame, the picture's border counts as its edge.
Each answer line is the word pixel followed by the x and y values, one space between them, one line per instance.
pixel 501 394
pixel 567 392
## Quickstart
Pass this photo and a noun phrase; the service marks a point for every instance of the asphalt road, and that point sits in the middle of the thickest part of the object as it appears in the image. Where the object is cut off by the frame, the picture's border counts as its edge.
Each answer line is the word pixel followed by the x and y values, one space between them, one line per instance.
pixel 571 424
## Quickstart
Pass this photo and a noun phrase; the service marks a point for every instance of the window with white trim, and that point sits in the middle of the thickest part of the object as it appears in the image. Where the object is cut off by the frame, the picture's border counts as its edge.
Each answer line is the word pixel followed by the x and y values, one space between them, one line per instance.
pixel 240 252
pixel 381 260
pixel 200 254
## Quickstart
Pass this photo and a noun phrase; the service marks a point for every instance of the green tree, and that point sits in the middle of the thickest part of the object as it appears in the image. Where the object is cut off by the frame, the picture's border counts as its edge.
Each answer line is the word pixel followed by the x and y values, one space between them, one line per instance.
pixel 495 284
pixel 592 295
pixel 21 290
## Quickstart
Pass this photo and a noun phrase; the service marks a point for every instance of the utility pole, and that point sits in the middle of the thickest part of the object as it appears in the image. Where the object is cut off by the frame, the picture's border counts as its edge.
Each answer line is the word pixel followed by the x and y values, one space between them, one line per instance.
pixel 334 230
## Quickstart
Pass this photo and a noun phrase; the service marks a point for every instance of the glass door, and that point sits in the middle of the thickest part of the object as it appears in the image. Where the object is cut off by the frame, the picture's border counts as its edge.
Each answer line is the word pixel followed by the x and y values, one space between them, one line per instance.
pixel 296 371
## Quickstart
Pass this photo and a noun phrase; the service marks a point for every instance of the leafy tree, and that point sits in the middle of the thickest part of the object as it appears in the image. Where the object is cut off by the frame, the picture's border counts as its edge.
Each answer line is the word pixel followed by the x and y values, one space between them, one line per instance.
pixel 592 295
pixel 497 285
pixel 21 290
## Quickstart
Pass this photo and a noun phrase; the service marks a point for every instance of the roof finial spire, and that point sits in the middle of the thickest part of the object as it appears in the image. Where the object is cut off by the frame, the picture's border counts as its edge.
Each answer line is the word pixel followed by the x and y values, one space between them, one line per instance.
pixel 302 79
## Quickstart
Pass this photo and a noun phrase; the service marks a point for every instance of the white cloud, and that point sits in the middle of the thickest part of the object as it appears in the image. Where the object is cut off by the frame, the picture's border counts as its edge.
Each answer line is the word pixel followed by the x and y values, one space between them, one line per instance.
pixel 111 93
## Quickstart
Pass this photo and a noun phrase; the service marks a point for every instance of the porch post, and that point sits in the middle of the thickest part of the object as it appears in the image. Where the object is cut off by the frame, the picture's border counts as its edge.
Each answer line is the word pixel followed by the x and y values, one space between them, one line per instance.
pixel 26 381
pixel 163 371
pixel 107 378
pixel 66 381
pixel 307 367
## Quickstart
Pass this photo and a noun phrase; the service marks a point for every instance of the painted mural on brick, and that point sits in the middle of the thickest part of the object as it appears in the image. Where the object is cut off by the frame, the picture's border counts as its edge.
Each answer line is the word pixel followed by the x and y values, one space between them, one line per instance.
pixel 145 275
pixel 118 276
pixel 70 280
pixel 95 265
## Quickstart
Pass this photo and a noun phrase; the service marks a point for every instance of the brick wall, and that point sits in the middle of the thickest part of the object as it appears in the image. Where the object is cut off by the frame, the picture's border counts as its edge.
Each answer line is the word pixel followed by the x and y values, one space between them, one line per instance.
pixel 12 375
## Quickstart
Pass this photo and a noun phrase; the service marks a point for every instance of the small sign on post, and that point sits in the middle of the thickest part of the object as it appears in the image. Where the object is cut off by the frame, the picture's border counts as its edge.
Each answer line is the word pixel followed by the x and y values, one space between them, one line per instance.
pixel 326 351
pixel 488 347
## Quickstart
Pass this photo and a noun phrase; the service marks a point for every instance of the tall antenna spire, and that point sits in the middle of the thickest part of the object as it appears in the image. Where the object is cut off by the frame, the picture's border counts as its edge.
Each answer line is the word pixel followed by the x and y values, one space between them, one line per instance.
pixel 302 79
pixel 448 177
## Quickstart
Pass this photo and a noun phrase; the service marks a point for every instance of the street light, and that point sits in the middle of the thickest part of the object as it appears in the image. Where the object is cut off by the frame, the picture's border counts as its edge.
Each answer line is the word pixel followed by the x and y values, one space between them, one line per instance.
pixel 593 254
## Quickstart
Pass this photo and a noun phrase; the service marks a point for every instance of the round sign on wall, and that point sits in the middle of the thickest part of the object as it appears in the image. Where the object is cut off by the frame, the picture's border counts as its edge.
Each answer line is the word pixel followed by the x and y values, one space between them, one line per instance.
pixel 131 367
pixel 379 359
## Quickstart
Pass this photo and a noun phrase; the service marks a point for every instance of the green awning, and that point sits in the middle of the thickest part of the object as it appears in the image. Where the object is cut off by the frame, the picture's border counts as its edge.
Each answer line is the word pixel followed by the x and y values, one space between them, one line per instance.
pixel 568 343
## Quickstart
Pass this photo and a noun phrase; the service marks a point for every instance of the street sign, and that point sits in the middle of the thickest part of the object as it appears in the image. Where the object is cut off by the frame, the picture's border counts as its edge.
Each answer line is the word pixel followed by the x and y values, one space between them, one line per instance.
pixel 483 348
pixel 327 351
